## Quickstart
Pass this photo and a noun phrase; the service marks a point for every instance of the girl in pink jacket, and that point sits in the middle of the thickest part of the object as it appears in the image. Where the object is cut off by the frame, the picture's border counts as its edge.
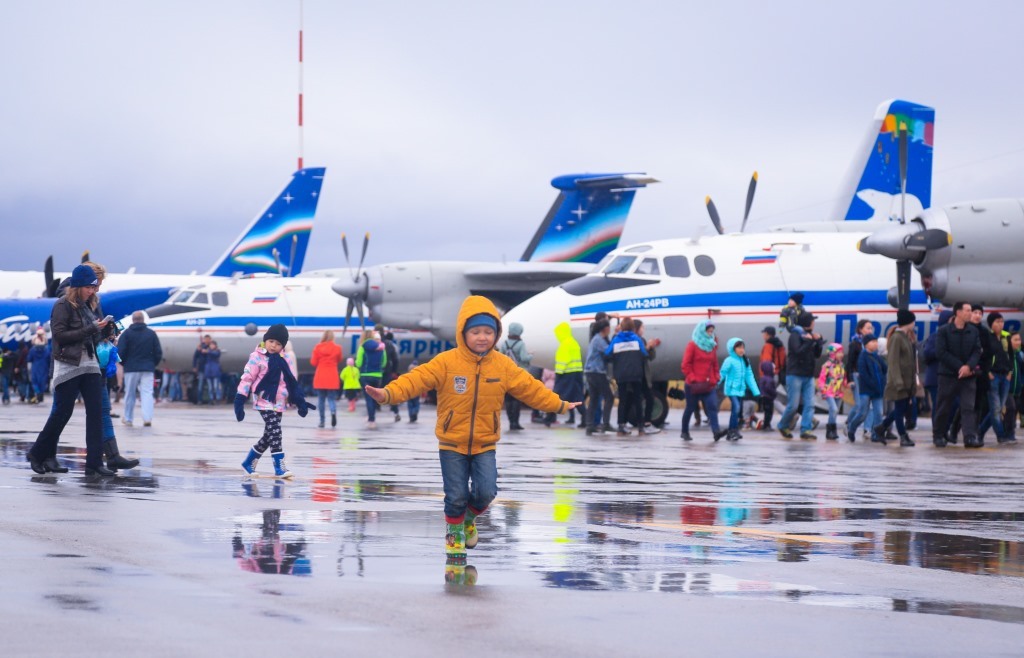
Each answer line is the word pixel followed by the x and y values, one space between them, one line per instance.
pixel 270 377
pixel 832 384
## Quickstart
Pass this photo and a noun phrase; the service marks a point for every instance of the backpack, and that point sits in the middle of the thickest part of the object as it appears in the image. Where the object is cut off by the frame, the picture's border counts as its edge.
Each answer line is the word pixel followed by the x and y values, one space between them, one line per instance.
pixel 508 349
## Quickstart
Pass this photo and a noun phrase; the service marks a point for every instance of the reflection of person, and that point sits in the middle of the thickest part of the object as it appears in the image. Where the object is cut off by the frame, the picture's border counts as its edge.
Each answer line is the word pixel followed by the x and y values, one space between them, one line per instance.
pixel 270 377
pixel 471 381
pixel 269 554
pixel 75 330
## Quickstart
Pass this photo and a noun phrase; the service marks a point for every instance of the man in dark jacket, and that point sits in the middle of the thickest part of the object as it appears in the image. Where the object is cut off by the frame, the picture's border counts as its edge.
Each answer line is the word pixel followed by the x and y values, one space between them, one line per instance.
pixel 391 369
pixel 804 350
pixel 864 328
pixel 998 354
pixel 140 352
pixel 958 349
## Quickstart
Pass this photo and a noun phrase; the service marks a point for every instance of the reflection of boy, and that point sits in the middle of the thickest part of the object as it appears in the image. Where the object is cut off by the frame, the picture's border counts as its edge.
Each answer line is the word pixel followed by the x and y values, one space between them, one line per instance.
pixel 471 381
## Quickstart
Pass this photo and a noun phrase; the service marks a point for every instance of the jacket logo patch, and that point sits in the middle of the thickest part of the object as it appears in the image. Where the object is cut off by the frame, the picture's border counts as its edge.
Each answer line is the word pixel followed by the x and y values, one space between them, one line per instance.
pixel 461 384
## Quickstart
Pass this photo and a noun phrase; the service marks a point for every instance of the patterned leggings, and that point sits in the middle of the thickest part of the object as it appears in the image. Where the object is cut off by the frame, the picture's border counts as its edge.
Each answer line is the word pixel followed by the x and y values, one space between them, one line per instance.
pixel 271 433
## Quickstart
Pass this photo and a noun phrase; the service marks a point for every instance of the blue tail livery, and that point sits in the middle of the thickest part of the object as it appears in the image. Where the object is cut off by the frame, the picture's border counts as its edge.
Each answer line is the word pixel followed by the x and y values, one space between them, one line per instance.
pixel 872 191
pixel 587 218
pixel 289 214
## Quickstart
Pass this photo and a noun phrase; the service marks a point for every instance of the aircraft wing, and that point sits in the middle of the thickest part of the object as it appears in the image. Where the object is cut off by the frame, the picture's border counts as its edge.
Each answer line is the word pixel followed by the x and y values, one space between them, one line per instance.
pixel 527 275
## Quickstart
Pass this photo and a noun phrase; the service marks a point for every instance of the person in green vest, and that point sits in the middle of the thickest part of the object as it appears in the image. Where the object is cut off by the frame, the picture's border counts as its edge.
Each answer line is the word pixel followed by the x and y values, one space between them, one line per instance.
pixel 568 372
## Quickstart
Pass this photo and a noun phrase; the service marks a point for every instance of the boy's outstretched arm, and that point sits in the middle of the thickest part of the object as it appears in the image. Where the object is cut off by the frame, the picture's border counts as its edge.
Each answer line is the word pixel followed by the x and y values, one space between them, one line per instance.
pixel 532 392
pixel 412 384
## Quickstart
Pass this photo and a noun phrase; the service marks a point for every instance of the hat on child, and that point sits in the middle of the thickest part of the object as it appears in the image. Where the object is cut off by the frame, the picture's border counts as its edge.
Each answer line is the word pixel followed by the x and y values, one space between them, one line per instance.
pixel 905 317
pixel 870 338
pixel 481 320
pixel 277 332
pixel 769 330
pixel 797 297
pixel 82 276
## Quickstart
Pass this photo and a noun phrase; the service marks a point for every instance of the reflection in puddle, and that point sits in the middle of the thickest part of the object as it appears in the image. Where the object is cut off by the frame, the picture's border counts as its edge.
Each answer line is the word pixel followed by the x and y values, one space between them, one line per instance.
pixel 269 553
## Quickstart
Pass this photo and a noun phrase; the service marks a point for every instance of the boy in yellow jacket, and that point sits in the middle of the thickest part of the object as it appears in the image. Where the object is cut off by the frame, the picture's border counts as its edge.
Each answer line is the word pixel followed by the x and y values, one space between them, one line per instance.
pixel 471 381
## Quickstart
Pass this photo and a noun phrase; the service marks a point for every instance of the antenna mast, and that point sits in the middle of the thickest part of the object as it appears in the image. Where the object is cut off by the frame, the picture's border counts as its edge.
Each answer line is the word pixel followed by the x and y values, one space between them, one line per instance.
pixel 300 84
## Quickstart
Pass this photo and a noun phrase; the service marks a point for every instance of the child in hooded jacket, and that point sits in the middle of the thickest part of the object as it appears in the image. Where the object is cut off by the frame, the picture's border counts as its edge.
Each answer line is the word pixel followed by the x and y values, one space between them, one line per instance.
pixel 471 381
pixel 270 377
pixel 769 391
pixel 832 384
pixel 737 378
pixel 350 383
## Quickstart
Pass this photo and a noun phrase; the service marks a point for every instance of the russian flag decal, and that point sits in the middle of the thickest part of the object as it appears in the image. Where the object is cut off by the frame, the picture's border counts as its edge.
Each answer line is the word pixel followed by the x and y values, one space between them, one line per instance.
pixel 760 259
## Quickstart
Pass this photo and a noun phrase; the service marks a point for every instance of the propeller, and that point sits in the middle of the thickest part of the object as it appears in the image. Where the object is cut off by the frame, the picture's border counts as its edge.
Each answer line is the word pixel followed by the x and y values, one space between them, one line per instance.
pixel 713 211
pixel 51 283
pixel 291 259
pixel 85 256
pixel 903 265
pixel 360 288
pixel 277 260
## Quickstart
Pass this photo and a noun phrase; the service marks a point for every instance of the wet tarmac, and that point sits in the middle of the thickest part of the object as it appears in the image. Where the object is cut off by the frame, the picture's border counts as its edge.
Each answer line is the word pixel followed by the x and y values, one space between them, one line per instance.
pixel 596 545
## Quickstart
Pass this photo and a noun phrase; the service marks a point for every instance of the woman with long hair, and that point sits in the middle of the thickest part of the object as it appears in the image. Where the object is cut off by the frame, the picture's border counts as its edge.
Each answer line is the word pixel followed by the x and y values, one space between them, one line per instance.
pixel 326 381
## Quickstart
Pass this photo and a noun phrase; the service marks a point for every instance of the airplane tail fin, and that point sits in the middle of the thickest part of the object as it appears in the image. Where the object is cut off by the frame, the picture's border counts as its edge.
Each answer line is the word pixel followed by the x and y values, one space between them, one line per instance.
pixel 872 187
pixel 587 218
pixel 289 214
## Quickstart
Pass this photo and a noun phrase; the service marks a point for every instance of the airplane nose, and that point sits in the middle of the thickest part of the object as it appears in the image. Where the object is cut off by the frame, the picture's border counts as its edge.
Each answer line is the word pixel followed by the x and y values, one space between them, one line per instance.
pixel 539 316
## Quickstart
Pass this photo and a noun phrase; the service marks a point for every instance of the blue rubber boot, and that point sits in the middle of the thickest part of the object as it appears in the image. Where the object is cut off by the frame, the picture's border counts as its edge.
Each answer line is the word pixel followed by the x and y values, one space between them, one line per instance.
pixel 280 470
pixel 249 465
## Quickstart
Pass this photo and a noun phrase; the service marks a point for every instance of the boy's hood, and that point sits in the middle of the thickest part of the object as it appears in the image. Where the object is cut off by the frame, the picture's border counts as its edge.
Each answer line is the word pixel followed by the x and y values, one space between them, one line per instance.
pixel 731 346
pixel 563 332
pixel 473 305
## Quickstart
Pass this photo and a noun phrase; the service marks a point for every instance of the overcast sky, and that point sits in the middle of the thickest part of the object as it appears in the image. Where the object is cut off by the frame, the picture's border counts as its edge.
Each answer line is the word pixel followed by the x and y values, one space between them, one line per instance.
pixel 152 132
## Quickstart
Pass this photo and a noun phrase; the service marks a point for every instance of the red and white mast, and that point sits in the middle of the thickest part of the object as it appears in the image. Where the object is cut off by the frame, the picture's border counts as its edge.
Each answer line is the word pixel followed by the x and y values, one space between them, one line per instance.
pixel 300 84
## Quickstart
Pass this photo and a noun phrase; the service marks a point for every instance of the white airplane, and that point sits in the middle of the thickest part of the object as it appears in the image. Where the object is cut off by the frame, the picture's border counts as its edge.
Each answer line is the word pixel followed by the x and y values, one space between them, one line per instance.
pixel 741 281
pixel 584 223
pixel 236 312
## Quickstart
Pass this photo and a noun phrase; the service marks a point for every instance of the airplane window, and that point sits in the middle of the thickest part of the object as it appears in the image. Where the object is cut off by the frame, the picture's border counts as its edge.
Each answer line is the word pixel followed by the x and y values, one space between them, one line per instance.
pixel 648 266
pixel 201 298
pixel 604 261
pixel 704 265
pixel 677 266
pixel 182 297
pixel 619 265
pixel 220 298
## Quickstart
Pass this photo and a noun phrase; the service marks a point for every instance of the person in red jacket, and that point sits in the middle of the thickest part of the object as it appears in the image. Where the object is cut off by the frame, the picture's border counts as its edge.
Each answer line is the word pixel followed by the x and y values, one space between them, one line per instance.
pixel 327 359
pixel 700 370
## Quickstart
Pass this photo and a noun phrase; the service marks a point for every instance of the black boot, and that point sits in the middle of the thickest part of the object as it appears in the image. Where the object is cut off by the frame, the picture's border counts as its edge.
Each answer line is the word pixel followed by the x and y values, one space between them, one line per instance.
pixel 53 466
pixel 334 420
pixel 831 433
pixel 99 470
pixel 878 435
pixel 114 458
pixel 36 464
pixel 905 441
pixel 685 436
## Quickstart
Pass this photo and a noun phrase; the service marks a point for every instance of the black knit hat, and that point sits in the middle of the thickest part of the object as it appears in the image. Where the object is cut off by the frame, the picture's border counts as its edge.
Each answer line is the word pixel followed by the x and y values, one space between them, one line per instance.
pixel 277 332
pixel 797 297
pixel 905 317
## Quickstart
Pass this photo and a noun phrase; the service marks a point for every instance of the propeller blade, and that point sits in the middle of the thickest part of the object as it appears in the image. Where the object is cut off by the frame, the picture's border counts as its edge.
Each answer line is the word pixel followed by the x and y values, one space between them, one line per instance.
pixel 932 238
pixel 714 215
pixel 903 285
pixel 51 285
pixel 750 201
pixel 277 260
pixel 348 261
pixel 85 255
pixel 366 243
pixel 362 318
pixel 291 260
pixel 903 173
pixel 348 316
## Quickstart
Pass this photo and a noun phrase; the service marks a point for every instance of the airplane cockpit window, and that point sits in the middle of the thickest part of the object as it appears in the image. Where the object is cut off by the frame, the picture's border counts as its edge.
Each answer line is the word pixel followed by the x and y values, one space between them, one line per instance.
pixel 182 297
pixel 648 266
pixel 200 298
pixel 619 265
pixel 639 249
pixel 704 265
pixel 677 266
pixel 604 261
pixel 220 298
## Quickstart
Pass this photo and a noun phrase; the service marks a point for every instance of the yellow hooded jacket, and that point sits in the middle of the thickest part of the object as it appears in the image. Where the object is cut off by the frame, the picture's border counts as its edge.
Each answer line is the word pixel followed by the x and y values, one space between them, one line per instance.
pixel 471 388
pixel 568 357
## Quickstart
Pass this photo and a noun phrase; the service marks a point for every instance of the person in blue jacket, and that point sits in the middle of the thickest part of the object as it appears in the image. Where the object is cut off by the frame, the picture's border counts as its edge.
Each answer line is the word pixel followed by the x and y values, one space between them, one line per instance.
pixel 39 365
pixel 871 372
pixel 736 377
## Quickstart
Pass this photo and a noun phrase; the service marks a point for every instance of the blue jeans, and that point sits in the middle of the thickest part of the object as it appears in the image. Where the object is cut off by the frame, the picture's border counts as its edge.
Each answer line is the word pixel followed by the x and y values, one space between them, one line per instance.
pixel 873 413
pixel 108 425
pixel 998 389
pixel 5 382
pixel 143 383
pixel 735 411
pixel 371 404
pixel 710 402
pixel 456 471
pixel 833 410
pixel 414 407
pixel 802 389
pixel 331 397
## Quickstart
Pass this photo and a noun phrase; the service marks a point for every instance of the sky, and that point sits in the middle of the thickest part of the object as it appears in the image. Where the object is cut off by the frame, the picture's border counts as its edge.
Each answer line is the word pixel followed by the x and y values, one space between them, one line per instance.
pixel 151 133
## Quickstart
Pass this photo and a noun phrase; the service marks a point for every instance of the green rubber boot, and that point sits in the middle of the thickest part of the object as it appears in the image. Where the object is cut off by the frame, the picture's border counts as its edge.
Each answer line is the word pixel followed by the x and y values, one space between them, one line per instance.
pixel 455 542
pixel 470 526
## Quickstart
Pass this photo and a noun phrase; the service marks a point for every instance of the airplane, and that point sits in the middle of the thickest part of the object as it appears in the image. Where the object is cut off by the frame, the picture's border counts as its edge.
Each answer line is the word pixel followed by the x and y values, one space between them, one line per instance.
pixel 740 281
pixel 233 312
pixel 583 225
pixel 283 227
